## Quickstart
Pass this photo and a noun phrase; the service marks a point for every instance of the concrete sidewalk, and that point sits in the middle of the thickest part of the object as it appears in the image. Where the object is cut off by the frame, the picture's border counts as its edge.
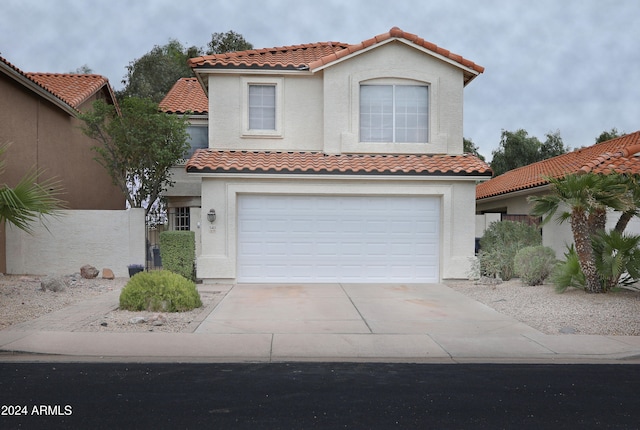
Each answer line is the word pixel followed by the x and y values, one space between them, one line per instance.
pixel 332 322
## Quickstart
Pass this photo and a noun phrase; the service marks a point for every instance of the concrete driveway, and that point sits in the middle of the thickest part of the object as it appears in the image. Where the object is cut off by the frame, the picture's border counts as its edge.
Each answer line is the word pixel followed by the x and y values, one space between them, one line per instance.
pixel 370 321
pixel 354 308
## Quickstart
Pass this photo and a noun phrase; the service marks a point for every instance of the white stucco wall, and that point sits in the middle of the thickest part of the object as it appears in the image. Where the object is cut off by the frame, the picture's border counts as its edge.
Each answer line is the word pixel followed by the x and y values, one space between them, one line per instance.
pixel 301 106
pixel 399 63
pixel 103 239
pixel 218 259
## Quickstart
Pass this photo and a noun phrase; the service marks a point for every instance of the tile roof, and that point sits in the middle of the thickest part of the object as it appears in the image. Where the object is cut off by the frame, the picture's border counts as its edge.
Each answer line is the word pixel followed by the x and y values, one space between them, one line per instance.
pixel 615 154
pixel 216 161
pixel 64 89
pixel 316 55
pixel 186 95
pixel 72 88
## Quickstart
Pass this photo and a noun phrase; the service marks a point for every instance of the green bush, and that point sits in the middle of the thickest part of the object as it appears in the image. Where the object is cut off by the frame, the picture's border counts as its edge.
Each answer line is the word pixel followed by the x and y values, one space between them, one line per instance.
pixel 568 273
pixel 178 252
pixel 159 291
pixel 499 245
pixel 534 264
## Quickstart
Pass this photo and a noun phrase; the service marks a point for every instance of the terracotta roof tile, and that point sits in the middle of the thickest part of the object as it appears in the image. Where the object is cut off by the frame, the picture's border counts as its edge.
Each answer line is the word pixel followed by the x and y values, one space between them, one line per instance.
pixel 70 89
pixel 315 55
pixel 215 161
pixel 285 57
pixel 615 154
pixel 186 95
pixel 73 89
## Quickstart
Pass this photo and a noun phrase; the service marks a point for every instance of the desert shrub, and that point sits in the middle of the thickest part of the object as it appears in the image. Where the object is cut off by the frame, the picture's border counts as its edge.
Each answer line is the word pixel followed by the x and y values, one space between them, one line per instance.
pixel 534 264
pixel 568 273
pixel 178 252
pixel 159 291
pixel 500 243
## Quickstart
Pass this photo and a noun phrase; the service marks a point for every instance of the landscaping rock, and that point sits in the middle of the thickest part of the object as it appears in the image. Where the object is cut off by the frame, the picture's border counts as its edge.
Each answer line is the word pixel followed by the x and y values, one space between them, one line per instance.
pixel 137 320
pixel 158 320
pixel 108 274
pixel 53 283
pixel 88 272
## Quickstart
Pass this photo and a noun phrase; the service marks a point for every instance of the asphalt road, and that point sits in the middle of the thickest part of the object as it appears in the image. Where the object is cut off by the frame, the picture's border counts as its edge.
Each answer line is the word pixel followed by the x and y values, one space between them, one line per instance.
pixel 318 396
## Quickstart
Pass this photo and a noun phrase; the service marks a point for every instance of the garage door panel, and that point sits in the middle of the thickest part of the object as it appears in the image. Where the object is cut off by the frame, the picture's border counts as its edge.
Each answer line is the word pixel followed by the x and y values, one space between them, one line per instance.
pixel 343 239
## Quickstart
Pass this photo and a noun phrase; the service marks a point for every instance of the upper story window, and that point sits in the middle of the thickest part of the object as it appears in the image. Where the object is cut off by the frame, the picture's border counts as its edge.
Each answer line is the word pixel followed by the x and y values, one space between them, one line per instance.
pixel 262 116
pixel 262 107
pixel 198 138
pixel 394 113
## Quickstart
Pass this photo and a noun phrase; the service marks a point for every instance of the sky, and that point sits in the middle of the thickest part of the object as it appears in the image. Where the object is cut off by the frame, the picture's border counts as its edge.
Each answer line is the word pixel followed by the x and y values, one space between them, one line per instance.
pixel 571 66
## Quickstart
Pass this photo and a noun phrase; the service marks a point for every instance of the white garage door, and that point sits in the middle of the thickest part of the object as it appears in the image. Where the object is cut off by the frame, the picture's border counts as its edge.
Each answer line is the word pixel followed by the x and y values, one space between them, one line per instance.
pixel 338 239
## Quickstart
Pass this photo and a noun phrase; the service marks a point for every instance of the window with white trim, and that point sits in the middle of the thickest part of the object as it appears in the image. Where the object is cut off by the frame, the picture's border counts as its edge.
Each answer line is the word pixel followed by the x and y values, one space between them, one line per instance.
pixel 394 113
pixel 262 116
pixel 262 107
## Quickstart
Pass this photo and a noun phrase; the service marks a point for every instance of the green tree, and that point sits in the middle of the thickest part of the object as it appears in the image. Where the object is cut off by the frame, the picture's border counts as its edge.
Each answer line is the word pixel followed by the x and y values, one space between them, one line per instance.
pixel 586 198
pixel 83 70
pixel 152 75
pixel 518 149
pixel 138 147
pixel 608 135
pixel 29 200
pixel 471 148
pixel 227 42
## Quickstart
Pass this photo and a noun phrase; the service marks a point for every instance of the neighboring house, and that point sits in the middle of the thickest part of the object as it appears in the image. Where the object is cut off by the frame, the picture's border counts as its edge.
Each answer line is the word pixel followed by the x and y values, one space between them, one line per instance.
pixel 38 116
pixel 506 195
pixel 331 162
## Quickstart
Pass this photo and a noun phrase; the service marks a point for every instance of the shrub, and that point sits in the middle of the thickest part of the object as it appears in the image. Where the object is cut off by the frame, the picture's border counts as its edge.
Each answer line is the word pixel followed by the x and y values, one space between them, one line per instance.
pixel 500 243
pixel 178 252
pixel 568 273
pixel 159 291
pixel 533 264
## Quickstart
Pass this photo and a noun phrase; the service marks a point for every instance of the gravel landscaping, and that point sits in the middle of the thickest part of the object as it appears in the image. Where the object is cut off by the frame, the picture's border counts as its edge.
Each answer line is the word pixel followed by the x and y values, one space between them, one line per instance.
pixel 573 312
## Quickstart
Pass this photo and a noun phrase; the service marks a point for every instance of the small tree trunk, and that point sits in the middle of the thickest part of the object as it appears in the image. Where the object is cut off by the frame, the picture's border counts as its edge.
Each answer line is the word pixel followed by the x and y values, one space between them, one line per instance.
pixel 624 219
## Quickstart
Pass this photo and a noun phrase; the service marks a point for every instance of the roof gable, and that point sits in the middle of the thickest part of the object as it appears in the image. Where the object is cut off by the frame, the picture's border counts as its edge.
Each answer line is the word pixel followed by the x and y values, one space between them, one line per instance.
pixel 66 90
pixel 186 95
pixel 74 89
pixel 316 56
pixel 613 155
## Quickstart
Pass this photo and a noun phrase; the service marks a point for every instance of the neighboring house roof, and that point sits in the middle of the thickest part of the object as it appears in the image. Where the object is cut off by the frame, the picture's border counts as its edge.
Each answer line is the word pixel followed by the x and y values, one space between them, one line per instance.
pixel 315 56
pixel 74 89
pixel 216 161
pixel 66 90
pixel 186 95
pixel 613 155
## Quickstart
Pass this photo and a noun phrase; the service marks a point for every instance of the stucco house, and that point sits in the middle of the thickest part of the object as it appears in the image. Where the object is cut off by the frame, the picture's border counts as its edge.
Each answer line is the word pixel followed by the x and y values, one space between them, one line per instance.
pixel 336 162
pixel 38 116
pixel 506 195
pixel 187 97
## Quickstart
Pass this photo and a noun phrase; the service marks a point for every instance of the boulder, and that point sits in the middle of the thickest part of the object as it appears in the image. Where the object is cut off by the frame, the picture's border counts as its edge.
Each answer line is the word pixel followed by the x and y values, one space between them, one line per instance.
pixel 107 273
pixel 137 320
pixel 53 283
pixel 88 272
pixel 158 320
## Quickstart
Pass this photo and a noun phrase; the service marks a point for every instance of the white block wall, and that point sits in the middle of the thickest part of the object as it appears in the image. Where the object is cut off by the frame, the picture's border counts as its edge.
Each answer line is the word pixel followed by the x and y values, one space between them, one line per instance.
pixel 103 239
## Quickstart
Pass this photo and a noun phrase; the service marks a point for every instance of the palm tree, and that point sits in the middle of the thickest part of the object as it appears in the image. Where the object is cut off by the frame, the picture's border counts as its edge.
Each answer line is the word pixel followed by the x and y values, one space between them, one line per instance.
pixel 29 200
pixel 587 197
